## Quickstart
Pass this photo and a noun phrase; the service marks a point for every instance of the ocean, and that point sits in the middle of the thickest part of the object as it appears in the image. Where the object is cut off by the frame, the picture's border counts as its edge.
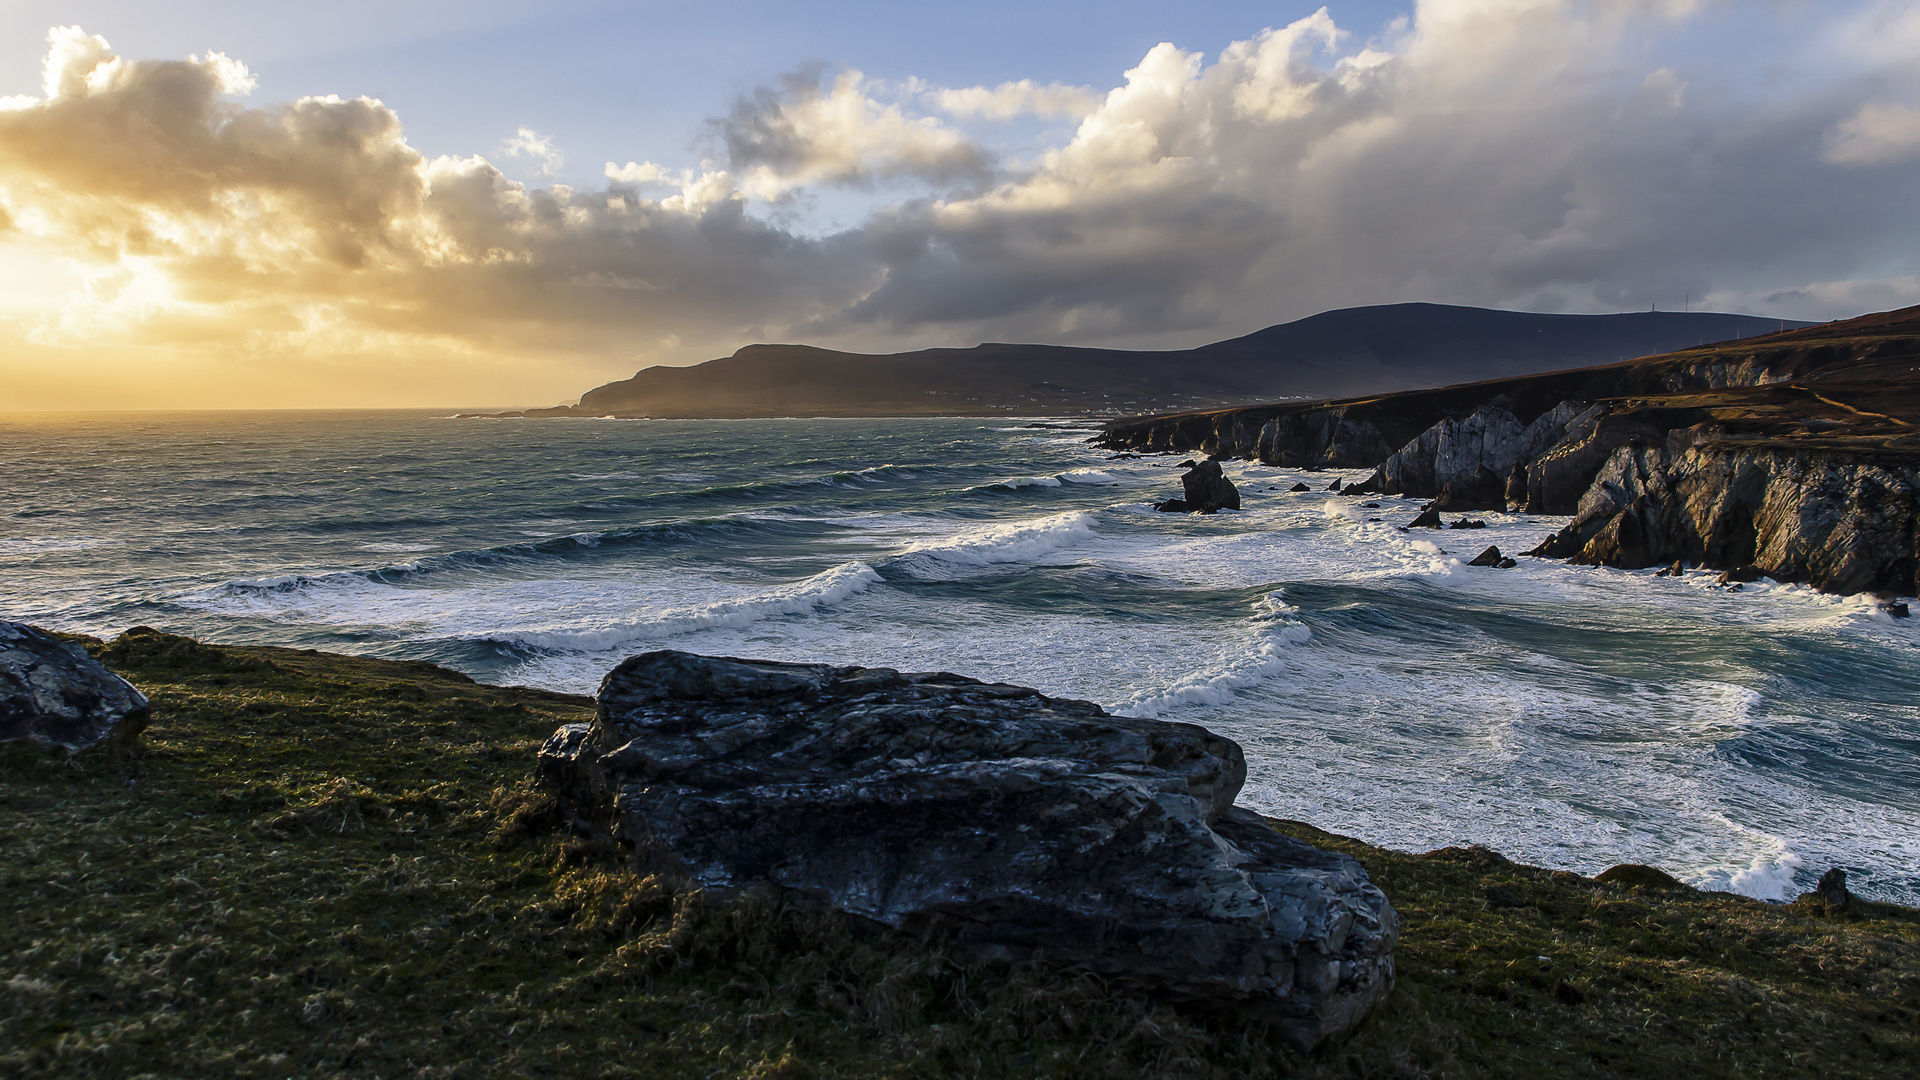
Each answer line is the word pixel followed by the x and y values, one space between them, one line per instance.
pixel 1570 717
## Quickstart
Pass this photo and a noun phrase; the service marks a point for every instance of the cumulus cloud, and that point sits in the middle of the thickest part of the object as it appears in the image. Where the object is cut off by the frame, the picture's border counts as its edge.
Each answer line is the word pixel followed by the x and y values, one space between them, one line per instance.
pixel 809 132
pixel 1014 99
pixel 1518 153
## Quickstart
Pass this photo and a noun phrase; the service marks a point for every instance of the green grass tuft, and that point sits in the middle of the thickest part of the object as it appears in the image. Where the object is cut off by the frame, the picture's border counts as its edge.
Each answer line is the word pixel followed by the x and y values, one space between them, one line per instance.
pixel 317 865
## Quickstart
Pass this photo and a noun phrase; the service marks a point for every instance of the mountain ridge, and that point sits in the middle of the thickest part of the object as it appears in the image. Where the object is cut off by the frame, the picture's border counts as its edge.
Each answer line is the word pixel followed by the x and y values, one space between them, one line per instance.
pixel 1335 353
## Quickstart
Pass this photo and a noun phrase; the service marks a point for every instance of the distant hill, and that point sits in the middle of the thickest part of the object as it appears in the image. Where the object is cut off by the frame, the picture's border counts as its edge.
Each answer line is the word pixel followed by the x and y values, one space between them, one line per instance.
pixel 1334 354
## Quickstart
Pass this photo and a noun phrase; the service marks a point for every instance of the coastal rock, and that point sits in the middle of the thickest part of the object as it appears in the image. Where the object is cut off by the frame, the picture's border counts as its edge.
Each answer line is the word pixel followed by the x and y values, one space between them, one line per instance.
pixel 1843 522
pixel 1208 490
pixel 1489 557
pixel 53 693
pixel 1429 518
pixel 1335 486
pixel 1832 890
pixel 991 815
pixel 1297 488
pixel 1463 523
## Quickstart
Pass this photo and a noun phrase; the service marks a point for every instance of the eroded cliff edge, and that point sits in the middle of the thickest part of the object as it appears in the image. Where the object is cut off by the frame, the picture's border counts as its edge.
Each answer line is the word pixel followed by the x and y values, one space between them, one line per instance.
pixel 1797 452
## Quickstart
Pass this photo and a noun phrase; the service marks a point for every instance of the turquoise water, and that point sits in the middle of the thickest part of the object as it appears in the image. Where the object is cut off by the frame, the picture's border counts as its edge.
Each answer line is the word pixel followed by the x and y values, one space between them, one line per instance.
pixel 1567 716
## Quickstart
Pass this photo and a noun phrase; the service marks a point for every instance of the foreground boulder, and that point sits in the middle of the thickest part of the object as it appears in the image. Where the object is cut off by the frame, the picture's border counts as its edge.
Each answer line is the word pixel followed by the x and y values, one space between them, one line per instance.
pixel 54 694
pixel 988 814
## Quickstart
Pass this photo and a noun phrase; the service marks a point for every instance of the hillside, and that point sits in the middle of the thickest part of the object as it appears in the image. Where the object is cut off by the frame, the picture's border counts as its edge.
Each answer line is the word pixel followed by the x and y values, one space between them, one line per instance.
pixel 1352 351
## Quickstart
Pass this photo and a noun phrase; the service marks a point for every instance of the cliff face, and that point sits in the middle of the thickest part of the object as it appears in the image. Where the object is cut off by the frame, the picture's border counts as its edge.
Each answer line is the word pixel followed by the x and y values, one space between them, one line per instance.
pixel 1797 452
pixel 1844 521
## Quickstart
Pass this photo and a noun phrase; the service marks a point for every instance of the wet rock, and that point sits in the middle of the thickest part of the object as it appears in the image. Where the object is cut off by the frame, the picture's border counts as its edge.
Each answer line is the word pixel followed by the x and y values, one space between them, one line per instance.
pixel 1173 506
pixel 1897 610
pixel 1505 564
pixel 1208 490
pixel 1463 523
pixel 1429 518
pixel 990 815
pixel 53 693
pixel 1370 506
pixel 1832 890
pixel 1741 574
pixel 1489 557
pixel 1299 488
pixel 1678 569
pixel 1335 486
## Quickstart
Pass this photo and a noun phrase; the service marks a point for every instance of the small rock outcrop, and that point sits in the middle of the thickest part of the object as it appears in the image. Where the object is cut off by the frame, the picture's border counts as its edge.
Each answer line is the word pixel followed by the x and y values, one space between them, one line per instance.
pixel 1206 490
pixel 53 693
pixel 1297 488
pixel 1489 557
pixel 988 814
pixel 1832 890
pixel 1429 518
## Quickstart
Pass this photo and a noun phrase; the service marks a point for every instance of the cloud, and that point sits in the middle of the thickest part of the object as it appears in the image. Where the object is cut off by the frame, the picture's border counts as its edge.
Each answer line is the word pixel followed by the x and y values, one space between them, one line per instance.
pixel 1014 99
pixel 528 143
pixel 810 133
pixel 1876 135
pixel 1547 154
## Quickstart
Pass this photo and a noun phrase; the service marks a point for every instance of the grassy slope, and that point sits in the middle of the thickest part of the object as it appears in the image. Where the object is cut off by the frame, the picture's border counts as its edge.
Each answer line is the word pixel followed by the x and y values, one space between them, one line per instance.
pixel 328 866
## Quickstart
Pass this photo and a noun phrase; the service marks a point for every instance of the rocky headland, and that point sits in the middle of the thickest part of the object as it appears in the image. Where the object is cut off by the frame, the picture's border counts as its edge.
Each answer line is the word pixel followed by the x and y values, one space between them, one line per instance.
pixel 1795 454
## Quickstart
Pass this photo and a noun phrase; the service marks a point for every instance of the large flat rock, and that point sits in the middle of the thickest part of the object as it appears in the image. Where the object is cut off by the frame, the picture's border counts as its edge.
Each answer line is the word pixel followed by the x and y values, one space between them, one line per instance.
pixel 988 814
pixel 53 693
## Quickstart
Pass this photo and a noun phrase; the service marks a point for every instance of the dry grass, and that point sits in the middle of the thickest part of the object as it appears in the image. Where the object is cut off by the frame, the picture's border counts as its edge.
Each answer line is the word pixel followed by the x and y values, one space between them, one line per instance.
pixel 324 866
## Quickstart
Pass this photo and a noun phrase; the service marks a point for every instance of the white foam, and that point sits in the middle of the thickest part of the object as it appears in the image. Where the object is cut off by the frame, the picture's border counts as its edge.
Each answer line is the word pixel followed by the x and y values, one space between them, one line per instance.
pixel 804 597
pixel 1007 542
pixel 1089 476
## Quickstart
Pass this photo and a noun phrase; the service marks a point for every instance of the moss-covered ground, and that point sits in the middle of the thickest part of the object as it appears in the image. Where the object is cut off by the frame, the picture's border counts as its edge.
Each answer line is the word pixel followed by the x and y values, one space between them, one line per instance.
pixel 317 866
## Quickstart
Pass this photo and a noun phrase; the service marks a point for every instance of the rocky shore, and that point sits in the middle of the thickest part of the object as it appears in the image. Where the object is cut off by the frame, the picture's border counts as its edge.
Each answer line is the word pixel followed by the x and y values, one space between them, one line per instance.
pixel 311 864
pixel 1796 453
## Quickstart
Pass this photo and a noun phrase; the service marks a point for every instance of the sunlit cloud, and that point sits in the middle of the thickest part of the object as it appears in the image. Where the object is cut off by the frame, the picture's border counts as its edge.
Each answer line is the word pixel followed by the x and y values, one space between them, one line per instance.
pixel 1499 152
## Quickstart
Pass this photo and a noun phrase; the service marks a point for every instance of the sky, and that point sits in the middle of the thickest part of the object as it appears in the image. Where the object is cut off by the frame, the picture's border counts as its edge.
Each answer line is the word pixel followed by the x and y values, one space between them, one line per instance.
pixel 216 204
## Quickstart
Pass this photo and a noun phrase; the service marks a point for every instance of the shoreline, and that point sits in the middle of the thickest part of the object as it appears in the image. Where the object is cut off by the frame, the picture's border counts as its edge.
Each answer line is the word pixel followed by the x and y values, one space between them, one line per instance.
pixel 322 862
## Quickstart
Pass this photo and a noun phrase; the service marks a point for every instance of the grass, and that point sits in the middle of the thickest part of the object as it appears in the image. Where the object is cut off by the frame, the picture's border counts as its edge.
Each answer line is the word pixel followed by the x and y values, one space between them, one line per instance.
pixel 318 865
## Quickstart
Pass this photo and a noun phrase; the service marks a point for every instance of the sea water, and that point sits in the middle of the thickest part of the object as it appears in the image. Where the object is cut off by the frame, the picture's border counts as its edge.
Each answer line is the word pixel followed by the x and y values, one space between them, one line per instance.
pixel 1570 717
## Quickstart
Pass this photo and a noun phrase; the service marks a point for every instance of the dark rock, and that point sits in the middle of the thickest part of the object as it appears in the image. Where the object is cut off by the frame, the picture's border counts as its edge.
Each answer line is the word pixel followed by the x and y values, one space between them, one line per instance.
pixel 1173 506
pixel 1833 891
pixel 1377 519
pixel 1299 487
pixel 1743 573
pixel 1636 875
pixel 1335 486
pixel 1187 464
pixel 1429 519
pixel 1505 564
pixel 1489 557
pixel 1463 523
pixel 1898 611
pixel 1678 569
pixel 1208 489
pixel 1369 506
pixel 53 693
pixel 991 815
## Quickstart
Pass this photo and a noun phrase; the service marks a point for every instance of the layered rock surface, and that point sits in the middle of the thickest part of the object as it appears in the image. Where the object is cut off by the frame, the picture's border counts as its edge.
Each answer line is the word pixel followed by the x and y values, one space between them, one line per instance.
pixel 1796 451
pixel 53 693
pixel 989 814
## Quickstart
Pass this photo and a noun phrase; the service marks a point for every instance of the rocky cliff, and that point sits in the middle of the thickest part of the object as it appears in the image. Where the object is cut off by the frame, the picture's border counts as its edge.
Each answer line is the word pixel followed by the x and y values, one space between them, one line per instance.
pixel 1797 452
